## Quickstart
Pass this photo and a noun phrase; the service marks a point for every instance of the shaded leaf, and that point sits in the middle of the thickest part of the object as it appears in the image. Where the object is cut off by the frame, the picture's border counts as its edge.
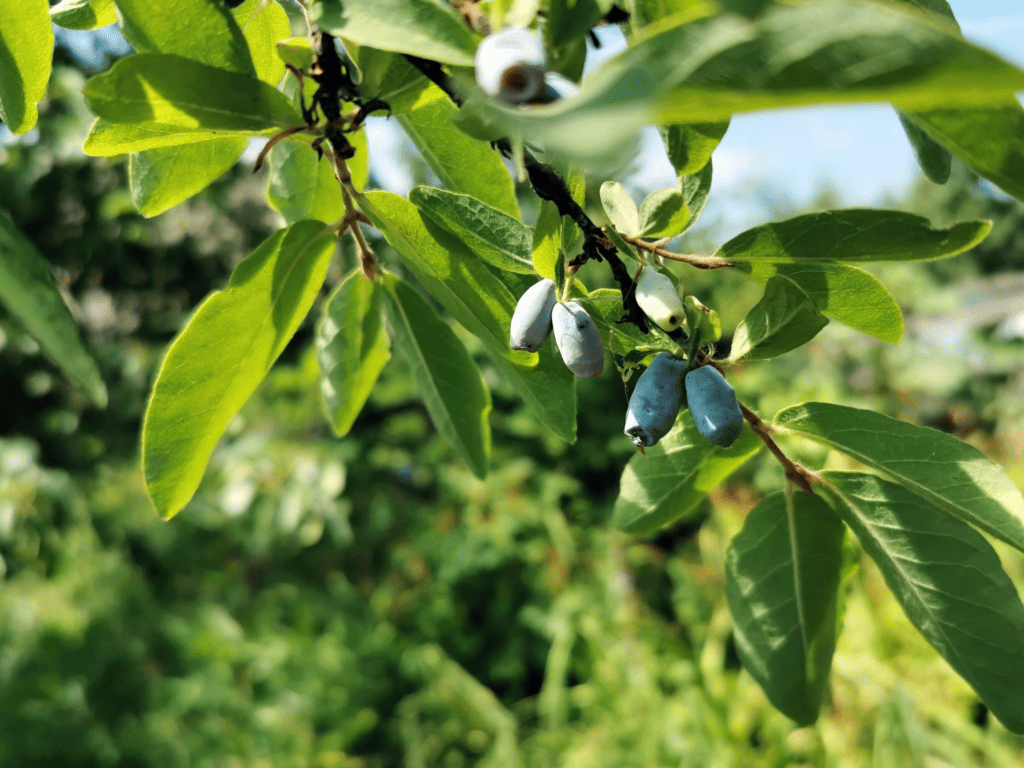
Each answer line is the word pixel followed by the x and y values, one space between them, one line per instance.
pixel 423 28
pixel 841 292
pixel 782 581
pixel 390 77
pixel 449 381
pixel 569 20
pixel 948 473
pixel 302 186
pixel 663 213
pixel 934 159
pixel 689 146
pixel 497 238
pixel 783 319
pixel 854 235
pixel 29 292
pixel 948 580
pixel 170 91
pixel 83 14
pixel 663 486
pixel 702 319
pixel 26 51
pixel 223 353
pixel 463 164
pixel 620 208
pixel 604 305
pixel 162 178
pixel 353 347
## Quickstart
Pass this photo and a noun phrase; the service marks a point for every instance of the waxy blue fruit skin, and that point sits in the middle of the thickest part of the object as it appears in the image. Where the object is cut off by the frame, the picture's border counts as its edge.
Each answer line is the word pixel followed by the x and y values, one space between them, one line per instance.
pixel 712 401
pixel 531 322
pixel 655 401
pixel 578 340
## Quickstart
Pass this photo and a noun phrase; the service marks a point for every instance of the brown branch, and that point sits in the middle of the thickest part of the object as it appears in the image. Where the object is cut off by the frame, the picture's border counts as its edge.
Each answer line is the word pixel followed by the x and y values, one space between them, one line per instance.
pixel 353 216
pixel 697 260
pixel 795 473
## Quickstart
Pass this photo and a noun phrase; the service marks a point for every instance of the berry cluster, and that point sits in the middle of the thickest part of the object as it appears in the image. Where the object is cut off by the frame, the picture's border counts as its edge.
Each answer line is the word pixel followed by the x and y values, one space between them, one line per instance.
pixel 511 67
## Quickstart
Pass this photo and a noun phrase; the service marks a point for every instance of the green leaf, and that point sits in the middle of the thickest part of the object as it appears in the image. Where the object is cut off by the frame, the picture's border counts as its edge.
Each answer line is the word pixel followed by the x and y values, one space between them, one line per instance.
pixel 934 159
pixel 703 320
pixel 162 178
pixel 663 213
pixel 572 19
pixel 854 235
pixel 391 78
pixel 812 53
pixel 645 12
pixel 689 146
pixel 481 303
pixel 663 486
pixel 604 305
pixel 29 292
pixel 494 236
pixel 782 581
pixel 302 186
pixel 83 14
pixel 222 355
pixel 948 580
pixel 948 473
pixel 264 25
pixel 461 283
pixel 108 139
pixel 449 381
pixel 547 240
pixel 990 140
pixel 422 28
pixel 297 51
pixel 353 347
pixel 463 164
pixel 26 51
pixel 203 31
pixel 695 190
pixel 783 319
pixel 620 208
pixel 162 90
pixel 844 293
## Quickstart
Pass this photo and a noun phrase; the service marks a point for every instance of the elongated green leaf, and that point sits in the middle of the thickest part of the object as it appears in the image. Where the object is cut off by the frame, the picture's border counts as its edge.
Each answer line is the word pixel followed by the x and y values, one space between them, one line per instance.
pixel 463 284
pixel 569 20
pixel 263 25
pixel 948 580
pixel 169 91
pixel 463 164
pixel 645 12
pixel 841 292
pixel 695 190
pixel 449 381
pixel 26 49
pixel 83 14
pixel 854 235
pixel 950 474
pixel 29 292
pixel 689 146
pixel 222 355
pixel 934 159
pixel 782 581
pixel 604 305
pixel 302 186
pixel 783 319
pixel 203 31
pixel 390 77
pixel 421 27
pixel 481 303
pixel 825 51
pixel 620 208
pixel 494 236
pixel 663 213
pixel 108 139
pixel 990 140
pixel 353 347
pixel 162 178
pixel 667 483
pixel 547 240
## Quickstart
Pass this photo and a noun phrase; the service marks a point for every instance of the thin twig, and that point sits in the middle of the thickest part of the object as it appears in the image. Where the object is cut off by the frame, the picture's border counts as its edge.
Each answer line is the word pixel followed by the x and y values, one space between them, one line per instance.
pixel 353 216
pixel 795 473
pixel 698 260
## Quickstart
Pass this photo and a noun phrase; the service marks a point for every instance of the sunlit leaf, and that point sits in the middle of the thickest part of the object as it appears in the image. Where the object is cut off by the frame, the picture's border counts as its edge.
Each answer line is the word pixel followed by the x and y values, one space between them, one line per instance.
pixel 26 50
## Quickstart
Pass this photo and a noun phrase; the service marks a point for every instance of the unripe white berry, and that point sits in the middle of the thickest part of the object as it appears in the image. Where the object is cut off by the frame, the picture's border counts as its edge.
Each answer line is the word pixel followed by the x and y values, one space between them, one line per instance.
pixel 659 300
pixel 510 65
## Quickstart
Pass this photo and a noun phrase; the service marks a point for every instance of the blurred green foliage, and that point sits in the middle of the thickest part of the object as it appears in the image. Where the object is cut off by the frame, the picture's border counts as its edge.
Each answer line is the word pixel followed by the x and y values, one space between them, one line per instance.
pixel 367 601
